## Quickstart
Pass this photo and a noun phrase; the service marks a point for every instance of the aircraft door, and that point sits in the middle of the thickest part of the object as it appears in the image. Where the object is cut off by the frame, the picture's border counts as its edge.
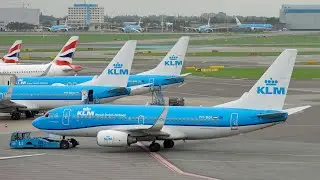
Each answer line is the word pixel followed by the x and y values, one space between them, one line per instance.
pixel 141 120
pixel 84 96
pixel 151 80
pixel 234 121
pixel 90 97
pixel 66 117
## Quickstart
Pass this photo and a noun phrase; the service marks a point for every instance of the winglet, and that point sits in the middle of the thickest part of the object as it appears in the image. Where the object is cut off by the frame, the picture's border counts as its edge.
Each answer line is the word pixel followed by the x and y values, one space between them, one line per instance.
pixel 161 120
pixel 45 73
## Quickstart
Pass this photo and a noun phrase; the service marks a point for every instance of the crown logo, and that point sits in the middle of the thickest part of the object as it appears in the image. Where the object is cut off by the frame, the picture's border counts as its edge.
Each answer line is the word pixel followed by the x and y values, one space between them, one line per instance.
pixel 86 109
pixel 271 82
pixel 173 58
pixel 117 65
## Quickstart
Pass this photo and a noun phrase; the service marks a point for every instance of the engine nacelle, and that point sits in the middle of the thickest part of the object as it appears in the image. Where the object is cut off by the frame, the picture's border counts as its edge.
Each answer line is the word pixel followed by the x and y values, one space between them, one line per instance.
pixel 113 138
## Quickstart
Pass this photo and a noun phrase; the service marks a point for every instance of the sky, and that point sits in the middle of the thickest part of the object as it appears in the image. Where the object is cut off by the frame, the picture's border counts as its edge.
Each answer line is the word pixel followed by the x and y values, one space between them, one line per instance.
pixel 58 8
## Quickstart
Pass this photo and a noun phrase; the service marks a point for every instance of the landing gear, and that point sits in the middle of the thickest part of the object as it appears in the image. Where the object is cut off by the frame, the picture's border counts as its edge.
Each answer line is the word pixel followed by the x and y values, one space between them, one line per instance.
pixel 74 142
pixel 168 143
pixel 64 144
pixel 15 115
pixel 29 114
pixel 154 147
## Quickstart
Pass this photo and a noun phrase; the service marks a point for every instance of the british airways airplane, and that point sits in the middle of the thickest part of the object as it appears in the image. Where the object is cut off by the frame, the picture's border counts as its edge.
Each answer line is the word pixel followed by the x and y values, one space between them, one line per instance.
pixel 13 54
pixel 167 73
pixel 123 125
pixel 110 85
pixel 253 27
pixel 60 66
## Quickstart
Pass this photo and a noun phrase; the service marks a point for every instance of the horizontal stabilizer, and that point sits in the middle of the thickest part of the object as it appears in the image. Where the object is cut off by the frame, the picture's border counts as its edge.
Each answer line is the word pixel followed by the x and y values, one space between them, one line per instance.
pixel 296 109
pixel 186 74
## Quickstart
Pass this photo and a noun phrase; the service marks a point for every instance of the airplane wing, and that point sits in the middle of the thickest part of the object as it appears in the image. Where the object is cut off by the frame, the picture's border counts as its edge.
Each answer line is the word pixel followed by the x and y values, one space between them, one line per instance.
pixel 154 130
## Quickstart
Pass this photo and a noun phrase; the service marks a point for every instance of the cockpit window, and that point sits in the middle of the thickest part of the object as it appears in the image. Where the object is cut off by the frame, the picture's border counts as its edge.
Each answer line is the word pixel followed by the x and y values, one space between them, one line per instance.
pixel 46 115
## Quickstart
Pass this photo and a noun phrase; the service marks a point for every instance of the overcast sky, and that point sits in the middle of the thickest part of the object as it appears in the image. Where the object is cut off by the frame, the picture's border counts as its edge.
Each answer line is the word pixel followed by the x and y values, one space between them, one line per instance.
pixel 59 8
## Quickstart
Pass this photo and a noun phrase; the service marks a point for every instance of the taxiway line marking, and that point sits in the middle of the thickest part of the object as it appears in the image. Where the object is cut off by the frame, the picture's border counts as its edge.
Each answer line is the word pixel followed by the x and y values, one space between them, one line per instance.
pixel 21 156
pixel 171 166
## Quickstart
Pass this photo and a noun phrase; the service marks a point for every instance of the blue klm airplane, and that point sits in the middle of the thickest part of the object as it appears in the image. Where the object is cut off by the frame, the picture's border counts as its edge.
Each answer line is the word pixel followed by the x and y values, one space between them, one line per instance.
pixel 110 85
pixel 253 27
pixel 132 28
pixel 123 125
pixel 62 27
pixel 167 73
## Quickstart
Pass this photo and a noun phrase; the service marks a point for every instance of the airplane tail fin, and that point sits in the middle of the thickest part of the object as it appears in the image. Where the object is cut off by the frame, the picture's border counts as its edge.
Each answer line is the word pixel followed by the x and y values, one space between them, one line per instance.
pixel 64 57
pixel 13 54
pixel 209 21
pixel 237 20
pixel 270 90
pixel 66 22
pixel 172 63
pixel 139 23
pixel 118 71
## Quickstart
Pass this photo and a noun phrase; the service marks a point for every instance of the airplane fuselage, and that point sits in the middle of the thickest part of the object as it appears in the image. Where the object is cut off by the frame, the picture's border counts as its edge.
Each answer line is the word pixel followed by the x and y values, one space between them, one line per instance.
pixel 48 97
pixel 157 80
pixel 25 70
pixel 181 122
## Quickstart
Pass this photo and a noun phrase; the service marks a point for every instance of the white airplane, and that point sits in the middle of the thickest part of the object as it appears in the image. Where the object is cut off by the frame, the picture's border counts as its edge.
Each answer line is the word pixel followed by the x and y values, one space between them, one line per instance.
pixel 60 66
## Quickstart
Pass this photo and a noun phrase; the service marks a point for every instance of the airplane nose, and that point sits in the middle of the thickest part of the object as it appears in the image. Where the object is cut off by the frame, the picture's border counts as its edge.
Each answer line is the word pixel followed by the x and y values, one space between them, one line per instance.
pixel 37 123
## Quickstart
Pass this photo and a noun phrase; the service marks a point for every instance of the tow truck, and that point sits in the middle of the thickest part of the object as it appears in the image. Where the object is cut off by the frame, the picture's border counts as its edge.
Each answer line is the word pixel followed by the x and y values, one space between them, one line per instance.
pixel 23 140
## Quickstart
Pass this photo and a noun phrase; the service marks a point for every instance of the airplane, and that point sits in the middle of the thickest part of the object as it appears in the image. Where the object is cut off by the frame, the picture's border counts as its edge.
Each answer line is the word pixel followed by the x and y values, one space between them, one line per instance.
pixel 132 28
pixel 203 28
pixel 110 85
pixel 123 125
pixel 13 54
pixel 61 65
pixel 167 73
pixel 56 28
pixel 253 27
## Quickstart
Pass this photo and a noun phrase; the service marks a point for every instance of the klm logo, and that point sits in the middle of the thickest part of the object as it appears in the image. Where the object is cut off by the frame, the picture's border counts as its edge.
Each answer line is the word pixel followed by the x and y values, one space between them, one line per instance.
pixel 118 70
pixel 21 81
pixel 85 112
pixel 107 138
pixel 271 88
pixel 173 61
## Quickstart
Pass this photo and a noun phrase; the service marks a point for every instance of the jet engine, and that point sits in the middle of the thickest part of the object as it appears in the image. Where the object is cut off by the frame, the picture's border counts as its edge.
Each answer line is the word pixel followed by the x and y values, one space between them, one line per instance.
pixel 112 138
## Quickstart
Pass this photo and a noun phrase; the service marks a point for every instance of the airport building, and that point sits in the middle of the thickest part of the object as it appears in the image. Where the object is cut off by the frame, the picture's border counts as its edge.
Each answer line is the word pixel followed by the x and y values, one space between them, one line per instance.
pixel 21 15
pixel 300 17
pixel 85 14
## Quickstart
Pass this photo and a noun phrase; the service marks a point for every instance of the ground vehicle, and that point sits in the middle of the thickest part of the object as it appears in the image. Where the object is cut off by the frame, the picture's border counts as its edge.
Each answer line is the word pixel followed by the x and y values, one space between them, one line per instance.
pixel 23 140
pixel 176 101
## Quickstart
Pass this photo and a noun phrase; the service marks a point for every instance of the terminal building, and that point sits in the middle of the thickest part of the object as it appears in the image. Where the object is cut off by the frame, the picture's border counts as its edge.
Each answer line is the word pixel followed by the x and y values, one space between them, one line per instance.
pixel 300 17
pixel 85 14
pixel 21 15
